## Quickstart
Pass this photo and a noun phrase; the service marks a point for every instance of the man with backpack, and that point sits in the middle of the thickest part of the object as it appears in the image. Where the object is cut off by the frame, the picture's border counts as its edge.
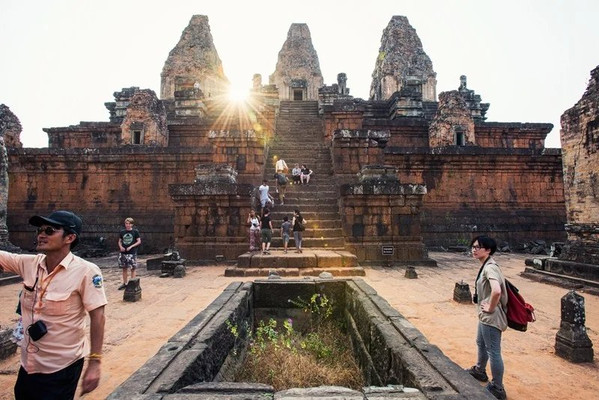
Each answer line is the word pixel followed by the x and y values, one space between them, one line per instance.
pixel 490 295
pixel 281 180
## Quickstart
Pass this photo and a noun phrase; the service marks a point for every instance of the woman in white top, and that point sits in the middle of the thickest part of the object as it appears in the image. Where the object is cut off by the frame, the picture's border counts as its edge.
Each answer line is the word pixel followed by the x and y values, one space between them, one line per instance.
pixel 254 223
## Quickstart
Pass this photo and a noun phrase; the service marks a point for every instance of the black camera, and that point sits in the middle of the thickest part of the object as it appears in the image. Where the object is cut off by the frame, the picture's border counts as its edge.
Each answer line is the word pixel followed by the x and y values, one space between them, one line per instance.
pixel 37 330
pixel 475 299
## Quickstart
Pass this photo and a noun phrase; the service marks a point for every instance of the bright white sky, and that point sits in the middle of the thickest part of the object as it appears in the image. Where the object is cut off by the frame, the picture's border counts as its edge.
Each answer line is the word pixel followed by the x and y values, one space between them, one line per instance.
pixel 61 60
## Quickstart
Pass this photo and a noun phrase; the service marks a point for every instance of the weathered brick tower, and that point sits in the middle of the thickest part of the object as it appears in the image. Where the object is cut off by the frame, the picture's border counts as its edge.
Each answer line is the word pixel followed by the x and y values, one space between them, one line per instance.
pixel 580 153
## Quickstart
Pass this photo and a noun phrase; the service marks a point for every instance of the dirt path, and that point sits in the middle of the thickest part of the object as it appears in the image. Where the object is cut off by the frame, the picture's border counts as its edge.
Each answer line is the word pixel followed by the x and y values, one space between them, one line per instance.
pixel 135 331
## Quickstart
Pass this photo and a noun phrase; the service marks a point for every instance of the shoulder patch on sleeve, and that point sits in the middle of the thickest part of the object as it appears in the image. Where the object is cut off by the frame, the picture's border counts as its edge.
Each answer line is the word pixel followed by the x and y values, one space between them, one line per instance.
pixel 97 281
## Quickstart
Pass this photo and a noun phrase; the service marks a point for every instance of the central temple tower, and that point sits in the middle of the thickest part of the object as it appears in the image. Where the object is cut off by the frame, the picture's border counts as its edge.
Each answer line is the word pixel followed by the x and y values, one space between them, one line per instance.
pixel 297 74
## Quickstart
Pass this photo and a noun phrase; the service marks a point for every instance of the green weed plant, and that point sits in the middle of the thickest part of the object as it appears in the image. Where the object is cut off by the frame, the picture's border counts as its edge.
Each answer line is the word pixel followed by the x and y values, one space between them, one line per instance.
pixel 285 358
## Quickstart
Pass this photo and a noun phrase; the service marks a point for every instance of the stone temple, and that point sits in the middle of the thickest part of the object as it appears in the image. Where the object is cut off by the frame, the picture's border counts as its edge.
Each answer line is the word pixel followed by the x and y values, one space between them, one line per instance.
pixel 400 172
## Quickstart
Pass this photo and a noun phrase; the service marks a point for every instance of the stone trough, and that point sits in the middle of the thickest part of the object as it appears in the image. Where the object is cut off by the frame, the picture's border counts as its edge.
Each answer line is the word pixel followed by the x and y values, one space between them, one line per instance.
pixel 397 361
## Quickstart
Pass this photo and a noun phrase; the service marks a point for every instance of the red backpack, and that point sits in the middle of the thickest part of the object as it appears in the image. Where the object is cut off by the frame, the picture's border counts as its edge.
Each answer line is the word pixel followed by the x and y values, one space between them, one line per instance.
pixel 519 312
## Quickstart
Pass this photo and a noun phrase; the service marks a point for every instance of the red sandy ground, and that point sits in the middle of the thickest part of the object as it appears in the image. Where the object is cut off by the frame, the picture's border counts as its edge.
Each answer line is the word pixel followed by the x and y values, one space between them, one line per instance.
pixel 135 331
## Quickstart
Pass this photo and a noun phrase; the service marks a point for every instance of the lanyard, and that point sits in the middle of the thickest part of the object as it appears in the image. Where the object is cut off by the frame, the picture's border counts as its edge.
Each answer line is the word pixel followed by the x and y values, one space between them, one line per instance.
pixel 44 286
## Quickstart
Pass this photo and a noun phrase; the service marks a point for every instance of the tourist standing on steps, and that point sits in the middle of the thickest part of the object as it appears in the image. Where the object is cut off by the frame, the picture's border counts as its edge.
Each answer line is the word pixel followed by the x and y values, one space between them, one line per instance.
pixel 490 295
pixel 266 225
pixel 281 180
pixel 59 291
pixel 305 174
pixel 280 168
pixel 299 226
pixel 295 173
pixel 285 231
pixel 254 223
pixel 129 241
pixel 265 196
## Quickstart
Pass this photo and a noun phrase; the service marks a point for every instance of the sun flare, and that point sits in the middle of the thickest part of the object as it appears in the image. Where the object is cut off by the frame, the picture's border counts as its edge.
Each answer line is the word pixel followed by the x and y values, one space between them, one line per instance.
pixel 238 94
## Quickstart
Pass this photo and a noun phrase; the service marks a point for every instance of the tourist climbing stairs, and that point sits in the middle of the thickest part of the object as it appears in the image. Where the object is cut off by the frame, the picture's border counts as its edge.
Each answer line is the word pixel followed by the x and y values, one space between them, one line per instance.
pixel 299 139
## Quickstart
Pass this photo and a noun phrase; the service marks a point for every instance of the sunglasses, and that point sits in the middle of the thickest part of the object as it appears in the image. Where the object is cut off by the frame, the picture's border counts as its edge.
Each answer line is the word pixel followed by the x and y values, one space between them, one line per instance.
pixel 49 231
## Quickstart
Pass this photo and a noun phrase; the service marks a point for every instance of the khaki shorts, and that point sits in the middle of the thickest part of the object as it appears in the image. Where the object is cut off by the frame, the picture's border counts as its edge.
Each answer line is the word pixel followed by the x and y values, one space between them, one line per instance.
pixel 266 235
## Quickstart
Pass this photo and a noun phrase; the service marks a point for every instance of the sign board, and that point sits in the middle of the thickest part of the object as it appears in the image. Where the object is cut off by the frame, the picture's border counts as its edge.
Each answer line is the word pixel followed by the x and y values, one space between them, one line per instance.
pixel 387 250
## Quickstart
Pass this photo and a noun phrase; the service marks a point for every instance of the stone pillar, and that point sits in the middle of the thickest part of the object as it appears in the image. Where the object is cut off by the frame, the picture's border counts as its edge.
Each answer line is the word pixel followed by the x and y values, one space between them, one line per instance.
pixel 257 82
pixel 210 214
pixel 572 341
pixel 461 293
pixel 342 83
pixel 411 273
pixel 381 218
pixel 3 192
pixel 7 346
pixel 132 291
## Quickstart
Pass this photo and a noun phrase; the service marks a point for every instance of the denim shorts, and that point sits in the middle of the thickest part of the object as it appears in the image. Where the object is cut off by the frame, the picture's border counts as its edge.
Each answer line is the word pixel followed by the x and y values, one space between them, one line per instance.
pixel 285 238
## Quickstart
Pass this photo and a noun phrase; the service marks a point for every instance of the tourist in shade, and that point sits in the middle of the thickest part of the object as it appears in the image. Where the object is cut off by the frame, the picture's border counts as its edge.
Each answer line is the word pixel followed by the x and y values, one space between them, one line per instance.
pixel 490 295
pixel 305 174
pixel 129 241
pixel 285 231
pixel 299 225
pixel 254 222
pixel 266 231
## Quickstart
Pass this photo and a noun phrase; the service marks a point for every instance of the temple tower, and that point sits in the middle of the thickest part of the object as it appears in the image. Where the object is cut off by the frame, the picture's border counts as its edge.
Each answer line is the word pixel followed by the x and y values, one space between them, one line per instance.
pixel 297 74
pixel 10 131
pixel 452 125
pixel 402 58
pixel 194 59
pixel 580 155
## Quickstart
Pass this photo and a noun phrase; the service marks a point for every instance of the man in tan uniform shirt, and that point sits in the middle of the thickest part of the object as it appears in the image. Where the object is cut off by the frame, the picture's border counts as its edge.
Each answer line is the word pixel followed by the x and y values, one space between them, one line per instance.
pixel 59 290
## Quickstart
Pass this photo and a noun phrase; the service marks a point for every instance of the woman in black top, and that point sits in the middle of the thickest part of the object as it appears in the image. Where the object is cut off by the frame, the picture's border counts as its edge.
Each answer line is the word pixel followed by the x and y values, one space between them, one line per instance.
pixel 266 232
pixel 299 225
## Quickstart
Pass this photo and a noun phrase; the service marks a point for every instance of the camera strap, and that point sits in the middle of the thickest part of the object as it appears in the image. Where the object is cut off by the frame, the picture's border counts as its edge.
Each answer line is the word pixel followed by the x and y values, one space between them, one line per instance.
pixel 480 271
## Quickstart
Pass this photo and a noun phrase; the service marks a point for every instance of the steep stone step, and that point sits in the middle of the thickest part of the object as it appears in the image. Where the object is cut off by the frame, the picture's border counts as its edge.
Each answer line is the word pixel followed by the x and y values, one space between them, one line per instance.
pixel 311 242
pixel 313 216
pixel 309 263
pixel 287 210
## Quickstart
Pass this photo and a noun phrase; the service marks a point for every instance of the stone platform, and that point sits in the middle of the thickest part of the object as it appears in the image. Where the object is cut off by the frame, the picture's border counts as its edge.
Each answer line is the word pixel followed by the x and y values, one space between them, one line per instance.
pixel 311 262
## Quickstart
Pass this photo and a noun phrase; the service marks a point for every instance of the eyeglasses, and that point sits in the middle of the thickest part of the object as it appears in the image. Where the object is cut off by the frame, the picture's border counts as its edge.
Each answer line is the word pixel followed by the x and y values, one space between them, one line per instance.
pixel 475 248
pixel 49 231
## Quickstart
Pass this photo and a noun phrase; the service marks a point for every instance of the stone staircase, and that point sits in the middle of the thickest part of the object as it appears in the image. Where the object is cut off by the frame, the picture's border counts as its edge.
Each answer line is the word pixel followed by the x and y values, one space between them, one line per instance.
pixel 299 139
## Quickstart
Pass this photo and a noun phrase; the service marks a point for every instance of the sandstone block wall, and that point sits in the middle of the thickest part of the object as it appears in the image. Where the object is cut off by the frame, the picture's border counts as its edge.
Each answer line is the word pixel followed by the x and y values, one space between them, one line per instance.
pixel 515 198
pixel 107 185
pixel 375 214
pixel 85 135
pixel 210 219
